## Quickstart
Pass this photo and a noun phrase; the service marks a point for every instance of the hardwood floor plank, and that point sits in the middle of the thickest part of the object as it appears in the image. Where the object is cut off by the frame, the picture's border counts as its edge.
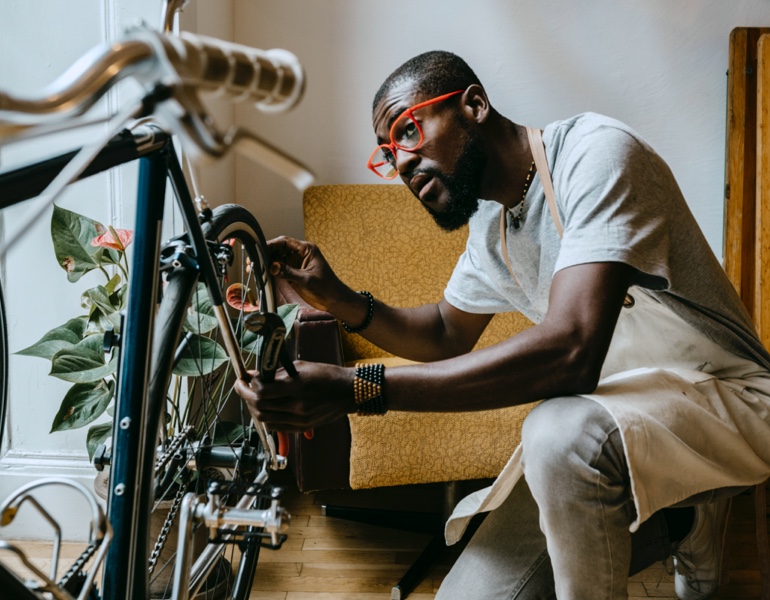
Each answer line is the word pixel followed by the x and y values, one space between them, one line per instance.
pixel 333 559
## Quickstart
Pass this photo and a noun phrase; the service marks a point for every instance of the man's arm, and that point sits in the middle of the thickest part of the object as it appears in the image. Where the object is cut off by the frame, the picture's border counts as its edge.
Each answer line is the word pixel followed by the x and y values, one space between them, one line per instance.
pixel 426 333
pixel 563 355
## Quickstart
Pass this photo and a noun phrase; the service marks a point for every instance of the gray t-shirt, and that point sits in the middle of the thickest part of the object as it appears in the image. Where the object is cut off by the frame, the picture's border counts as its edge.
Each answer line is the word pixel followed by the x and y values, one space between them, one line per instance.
pixel 618 202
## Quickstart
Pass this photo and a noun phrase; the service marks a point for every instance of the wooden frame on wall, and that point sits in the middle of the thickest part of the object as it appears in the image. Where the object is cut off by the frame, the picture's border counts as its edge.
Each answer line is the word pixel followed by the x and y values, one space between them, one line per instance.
pixel 747 207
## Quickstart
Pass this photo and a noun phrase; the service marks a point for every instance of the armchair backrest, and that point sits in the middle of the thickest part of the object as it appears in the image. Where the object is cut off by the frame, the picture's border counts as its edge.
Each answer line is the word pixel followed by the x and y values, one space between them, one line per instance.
pixel 378 238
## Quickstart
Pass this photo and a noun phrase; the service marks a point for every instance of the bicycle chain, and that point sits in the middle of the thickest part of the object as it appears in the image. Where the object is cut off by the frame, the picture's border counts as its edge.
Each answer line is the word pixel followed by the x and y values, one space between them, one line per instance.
pixel 167 524
pixel 88 553
pixel 160 543
pixel 175 444
pixel 78 565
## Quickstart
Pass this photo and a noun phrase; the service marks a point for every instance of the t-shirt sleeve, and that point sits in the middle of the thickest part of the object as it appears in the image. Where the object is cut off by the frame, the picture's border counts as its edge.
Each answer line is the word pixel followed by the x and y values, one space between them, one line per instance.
pixel 470 288
pixel 605 187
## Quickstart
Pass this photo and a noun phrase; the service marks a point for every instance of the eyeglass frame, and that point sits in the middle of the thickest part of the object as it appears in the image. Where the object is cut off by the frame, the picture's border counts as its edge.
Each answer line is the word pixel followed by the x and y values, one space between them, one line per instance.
pixel 408 114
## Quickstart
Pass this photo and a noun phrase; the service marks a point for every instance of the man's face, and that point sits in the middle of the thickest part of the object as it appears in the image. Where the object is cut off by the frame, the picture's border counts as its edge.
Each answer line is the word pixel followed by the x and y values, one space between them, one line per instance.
pixel 446 171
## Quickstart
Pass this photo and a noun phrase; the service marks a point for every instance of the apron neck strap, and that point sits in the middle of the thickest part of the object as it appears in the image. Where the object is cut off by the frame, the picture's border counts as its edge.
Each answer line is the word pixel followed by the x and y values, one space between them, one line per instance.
pixel 538 153
pixel 537 148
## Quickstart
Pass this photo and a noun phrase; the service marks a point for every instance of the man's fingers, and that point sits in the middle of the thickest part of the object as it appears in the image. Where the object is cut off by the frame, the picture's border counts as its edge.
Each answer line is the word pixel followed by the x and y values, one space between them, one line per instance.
pixel 283 247
pixel 244 390
pixel 290 274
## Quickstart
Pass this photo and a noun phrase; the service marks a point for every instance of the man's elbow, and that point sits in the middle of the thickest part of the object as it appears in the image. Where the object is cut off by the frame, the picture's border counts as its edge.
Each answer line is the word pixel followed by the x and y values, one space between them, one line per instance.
pixel 583 371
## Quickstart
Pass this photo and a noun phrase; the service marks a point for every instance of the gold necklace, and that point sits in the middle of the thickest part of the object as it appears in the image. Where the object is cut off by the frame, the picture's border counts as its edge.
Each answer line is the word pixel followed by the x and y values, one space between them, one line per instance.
pixel 519 208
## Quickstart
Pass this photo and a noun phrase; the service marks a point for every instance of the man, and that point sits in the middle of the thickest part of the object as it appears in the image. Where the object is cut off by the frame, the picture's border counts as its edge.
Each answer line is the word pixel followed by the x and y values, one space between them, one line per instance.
pixel 657 389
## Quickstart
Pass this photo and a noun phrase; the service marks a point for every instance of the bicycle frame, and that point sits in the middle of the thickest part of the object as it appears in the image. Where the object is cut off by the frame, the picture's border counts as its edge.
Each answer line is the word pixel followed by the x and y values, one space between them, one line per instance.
pixel 171 69
pixel 126 565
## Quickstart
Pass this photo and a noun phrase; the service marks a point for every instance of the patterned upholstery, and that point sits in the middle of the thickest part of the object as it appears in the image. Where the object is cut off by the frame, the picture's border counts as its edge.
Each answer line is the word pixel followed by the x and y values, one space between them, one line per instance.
pixel 379 238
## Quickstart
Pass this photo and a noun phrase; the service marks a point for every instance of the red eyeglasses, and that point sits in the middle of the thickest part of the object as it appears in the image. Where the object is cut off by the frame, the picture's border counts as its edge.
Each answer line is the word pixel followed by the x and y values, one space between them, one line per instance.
pixel 405 134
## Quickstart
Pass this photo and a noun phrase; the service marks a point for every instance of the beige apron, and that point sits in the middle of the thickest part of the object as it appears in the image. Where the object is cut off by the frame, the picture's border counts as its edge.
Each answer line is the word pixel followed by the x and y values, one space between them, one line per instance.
pixel 693 417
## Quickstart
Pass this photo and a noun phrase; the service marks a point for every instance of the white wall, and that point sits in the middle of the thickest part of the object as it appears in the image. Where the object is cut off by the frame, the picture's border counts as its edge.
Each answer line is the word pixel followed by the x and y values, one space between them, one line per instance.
pixel 656 64
pixel 38 41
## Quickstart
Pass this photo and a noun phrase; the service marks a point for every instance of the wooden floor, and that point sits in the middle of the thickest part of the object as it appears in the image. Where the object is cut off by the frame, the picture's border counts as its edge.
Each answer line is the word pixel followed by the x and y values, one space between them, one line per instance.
pixel 331 559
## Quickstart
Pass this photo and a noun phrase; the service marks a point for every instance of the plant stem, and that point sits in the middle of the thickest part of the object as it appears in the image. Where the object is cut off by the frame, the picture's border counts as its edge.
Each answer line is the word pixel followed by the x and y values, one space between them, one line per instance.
pixel 125 260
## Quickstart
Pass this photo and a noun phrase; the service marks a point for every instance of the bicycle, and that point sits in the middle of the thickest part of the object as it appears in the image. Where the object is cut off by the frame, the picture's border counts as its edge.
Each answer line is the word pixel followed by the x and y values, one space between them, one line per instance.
pixel 199 457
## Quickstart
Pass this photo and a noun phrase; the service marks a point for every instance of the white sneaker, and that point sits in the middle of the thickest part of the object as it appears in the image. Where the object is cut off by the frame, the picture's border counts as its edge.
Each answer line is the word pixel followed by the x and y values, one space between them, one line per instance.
pixel 698 557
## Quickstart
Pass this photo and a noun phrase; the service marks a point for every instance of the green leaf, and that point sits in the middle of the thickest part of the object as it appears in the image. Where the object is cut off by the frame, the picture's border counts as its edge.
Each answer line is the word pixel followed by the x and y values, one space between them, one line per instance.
pixel 112 284
pixel 227 433
pixel 98 297
pixel 111 256
pixel 83 362
pixel 97 434
pixel 288 312
pixel 201 318
pixel 122 294
pixel 250 342
pixel 98 322
pixel 200 356
pixel 61 337
pixel 83 403
pixel 103 312
pixel 72 234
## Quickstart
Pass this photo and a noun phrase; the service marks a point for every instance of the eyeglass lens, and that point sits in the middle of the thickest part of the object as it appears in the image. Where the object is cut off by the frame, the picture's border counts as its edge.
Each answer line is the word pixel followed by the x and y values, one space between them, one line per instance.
pixel 406 135
pixel 384 162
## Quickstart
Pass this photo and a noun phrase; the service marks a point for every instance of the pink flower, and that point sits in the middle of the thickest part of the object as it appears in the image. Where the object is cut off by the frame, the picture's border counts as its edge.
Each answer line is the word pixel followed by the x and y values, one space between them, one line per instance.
pixel 239 297
pixel 107 240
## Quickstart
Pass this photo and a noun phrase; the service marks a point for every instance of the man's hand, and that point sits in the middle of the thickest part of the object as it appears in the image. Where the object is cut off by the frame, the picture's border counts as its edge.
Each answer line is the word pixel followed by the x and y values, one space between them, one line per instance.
pixel 318 394
pixel 302 264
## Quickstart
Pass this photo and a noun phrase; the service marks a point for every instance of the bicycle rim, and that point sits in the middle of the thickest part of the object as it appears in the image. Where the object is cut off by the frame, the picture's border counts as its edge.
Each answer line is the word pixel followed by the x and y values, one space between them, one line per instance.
pixel 205 430
pixel 3 367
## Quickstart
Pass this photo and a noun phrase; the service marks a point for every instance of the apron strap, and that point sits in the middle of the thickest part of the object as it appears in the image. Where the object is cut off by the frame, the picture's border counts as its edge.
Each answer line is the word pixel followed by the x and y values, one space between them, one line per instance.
pixel 538 153
pixel 537 148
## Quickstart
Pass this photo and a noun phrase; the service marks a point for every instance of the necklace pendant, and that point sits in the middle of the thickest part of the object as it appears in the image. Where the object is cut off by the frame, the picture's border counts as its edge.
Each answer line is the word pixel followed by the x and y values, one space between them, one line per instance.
pixel 516 222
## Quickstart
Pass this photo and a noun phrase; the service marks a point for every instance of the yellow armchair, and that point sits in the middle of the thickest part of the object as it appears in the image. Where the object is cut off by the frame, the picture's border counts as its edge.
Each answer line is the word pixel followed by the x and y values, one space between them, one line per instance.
pixel 378 238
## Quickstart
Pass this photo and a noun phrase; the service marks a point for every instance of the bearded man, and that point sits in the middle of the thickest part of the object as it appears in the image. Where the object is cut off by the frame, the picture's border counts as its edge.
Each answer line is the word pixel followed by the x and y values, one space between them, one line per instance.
pixel 656 387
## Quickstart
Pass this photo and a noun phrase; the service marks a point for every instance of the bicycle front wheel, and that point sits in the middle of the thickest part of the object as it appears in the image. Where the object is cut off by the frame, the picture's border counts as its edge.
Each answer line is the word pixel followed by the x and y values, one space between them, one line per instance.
pixel 3 366
pixel 205 432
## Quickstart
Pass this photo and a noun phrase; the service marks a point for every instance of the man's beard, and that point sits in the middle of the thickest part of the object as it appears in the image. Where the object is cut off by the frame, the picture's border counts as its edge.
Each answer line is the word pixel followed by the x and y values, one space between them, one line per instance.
pixel 463 186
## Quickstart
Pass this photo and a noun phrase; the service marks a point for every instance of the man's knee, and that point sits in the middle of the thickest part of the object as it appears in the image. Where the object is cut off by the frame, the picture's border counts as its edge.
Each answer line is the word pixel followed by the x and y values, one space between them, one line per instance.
pixel 561 430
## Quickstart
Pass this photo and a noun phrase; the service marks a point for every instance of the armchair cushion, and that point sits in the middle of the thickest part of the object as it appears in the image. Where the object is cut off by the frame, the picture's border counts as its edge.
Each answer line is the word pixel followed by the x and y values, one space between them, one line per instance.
pixel 400 448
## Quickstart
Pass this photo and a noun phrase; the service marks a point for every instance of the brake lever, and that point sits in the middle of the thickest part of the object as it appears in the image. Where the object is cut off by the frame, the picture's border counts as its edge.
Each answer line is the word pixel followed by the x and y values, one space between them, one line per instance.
pixel 272 350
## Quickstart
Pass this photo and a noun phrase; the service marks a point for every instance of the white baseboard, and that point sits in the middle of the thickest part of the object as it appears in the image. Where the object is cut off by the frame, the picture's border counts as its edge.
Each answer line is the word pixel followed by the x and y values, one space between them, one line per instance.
pixel 66 506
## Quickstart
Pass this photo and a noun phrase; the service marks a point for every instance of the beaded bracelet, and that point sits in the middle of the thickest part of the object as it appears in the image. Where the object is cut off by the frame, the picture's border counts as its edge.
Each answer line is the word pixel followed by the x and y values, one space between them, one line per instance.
pixel 367 320
pixel 367 389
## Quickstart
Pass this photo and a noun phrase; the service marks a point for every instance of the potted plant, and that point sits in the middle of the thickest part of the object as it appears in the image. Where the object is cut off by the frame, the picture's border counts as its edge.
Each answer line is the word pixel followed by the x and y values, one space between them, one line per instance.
pixel 75 348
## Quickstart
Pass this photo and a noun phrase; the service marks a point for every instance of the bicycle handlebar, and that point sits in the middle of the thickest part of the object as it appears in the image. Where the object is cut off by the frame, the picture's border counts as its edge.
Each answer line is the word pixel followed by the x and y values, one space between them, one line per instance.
pixel 182 65
pixel 273 79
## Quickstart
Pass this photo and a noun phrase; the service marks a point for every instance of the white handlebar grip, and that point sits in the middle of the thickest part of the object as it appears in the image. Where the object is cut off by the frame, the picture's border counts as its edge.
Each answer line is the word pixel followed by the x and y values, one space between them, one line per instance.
pixel 273 79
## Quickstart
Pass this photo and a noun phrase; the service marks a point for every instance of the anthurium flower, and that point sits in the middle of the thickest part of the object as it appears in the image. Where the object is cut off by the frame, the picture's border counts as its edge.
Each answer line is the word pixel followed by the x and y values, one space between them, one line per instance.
pixel 239 297
pixel 107 240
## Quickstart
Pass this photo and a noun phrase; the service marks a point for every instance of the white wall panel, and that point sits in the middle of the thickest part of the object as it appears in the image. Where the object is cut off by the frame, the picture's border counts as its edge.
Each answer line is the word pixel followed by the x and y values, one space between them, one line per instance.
pixel 656 64
pixel 38 41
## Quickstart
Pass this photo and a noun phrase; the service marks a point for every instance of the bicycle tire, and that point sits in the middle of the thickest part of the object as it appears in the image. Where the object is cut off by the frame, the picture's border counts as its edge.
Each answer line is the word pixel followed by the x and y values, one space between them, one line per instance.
pixel 229 224
pixel 3 366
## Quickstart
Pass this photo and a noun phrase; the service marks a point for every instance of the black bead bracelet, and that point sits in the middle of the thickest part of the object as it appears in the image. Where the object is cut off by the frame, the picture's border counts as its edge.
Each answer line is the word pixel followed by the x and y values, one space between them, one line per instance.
pixel 367 389
pixel 367 320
